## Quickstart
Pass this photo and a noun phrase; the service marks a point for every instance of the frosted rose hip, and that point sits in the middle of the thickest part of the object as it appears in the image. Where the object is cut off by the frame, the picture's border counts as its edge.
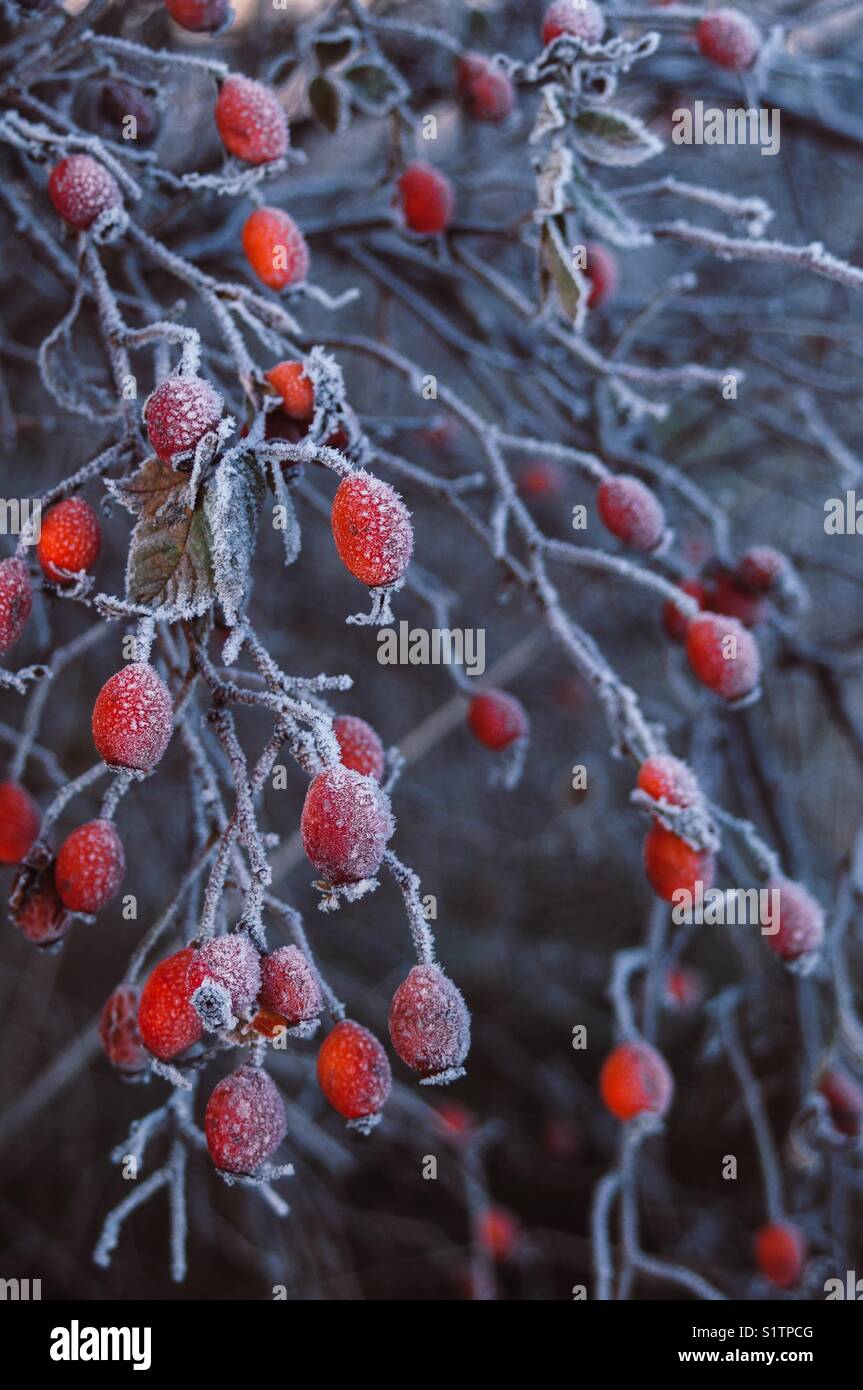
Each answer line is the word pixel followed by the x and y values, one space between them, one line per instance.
pixel 16 601
pixel 181 410
pixel 90 867
pixel 635 1080
pixel 372 529
pixel 665 778
pixel 801 920
pixel 359 745
pixel 723 655
pixel 70 539
pixel 485 90
pixel 497 719
pixel 81 189
pixel 167 1021
pixel 295 388
pixel 118 1030
pixel 229 961
pixel 275 248
pixel 761 568
pixel 672 865
pixel 251 123
pixel 19 822
pixel 426 198
pixel 289 986
pixel 133 718
pixel 780 1252
pixel 630 511
pixel 429 1022
pixel 728 38
pixel 199 16
pixel 354 1071
pixel 581 18
pixel 345 825
pixel 244 1121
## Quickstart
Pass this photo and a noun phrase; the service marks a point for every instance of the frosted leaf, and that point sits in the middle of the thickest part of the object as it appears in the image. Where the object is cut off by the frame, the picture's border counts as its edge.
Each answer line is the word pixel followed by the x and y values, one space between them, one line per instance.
pixel 602 212
pixel 553 174
pixel 613 137
pixel 557 272
pixel 550 115
pixel 232 501
pixel 292 538
pixel 170 565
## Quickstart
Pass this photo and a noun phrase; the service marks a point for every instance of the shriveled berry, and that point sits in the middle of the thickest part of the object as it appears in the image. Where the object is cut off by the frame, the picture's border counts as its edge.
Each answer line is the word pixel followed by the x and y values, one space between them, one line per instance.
pixel 426 198
pixel 801 921
pixel 635 1080
pixel 497 719
pixel 118 100
pixel 16 600
pixel 484 90
pixel 42 917
pixel 118 1030
pixel 345 825
pixel 245 1120
pixel 498 1231
pixel 359 745
pixel 540 481
pixel 70 540
pixel 372 529
pixel 81 189
pixel 133 718
pixel 780 1253
pixel 295 388
pixel 91 866
pixel 429 1022
pixel 275 248
pixel 630 511
pixel 199 16
pixel 181 410
pixel 723 655
pixel 730 598
pixel 289 986
pixel 167 1022
pixel 602 271
pixel 354 1071
pixel 672 865
pixel 665 778
pixel 684 987
pixel 676 623
pixel 233 963
pixel 729 39
pixel 251 123
pixel 845 1099
pixel 761 569
pixel 581 18
pixel 19 822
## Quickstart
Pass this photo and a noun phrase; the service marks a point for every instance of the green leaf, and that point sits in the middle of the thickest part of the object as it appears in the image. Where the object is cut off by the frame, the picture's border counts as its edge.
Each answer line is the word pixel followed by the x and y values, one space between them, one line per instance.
pixel 557 273
pixel 613 137
pixel 602 212
pixel 327 100
pixel 335 47
pixel 375 87
pixel 170 565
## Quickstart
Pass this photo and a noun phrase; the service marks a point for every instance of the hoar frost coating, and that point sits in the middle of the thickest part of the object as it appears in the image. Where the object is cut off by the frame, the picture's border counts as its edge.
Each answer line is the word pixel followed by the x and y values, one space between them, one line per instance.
pixel 81 188
pixel 290 986
pixel 251 122
pixel 181 410
pixel 233 963
pixel 430 1023
pixel 90 867
pixel 16 600
pixel 244 1121
pixel 133 718
pixel 371 529
pixel 801 921
pixel 630 511
pixel 346 823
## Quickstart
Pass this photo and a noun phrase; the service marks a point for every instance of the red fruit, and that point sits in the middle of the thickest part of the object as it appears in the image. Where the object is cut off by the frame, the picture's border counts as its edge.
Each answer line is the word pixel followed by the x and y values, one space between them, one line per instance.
pixel 90 867
pixel 118 1030
pixel 684 988
pixel 200 16
pixel 675 622
pixel 19 822
pixel 245 1120
pixel 372 529
pixel 630 511
pixel 723 655
pixel 729 598
pixel 354 1071
pixel 289 986
pixel 845 1099
pixel 81 188
pixel 275 248
pixel 602 272
pixel 251 123
pixel 295 388
pixel 729 39
pixel 582 18
pixel 426 198
pixel 345 825
pixel 761 568
pixel 672 865
pixel 780 1253
pixel 268 1023
pixel 801 921
pixel 668 779
pixel 233 963
pixel 454 1120
pixel 16 600
pixel 359 745
pixel 635 1080
pixel 497 719
pixel 540 481
pixel 167 1021
pixel 429 1022
pixel 71 539
pixel 179 413
pixel 497 1230
pixel 133 718
pixel 485 90
pixel 41 916
pixel 118 100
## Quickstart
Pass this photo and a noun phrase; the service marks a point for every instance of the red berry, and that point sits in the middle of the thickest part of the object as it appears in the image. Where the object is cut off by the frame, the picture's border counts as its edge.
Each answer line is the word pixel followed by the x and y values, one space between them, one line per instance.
pixel 295 388
pixel 81 188
pixel 200 16
pixel 41 915
pixel 453 1119
pixel 167 1021
pixel 269 1023
pixel 497 719
pixel 179 413
pixel 582 18
pixel 845 1099
pixel 118 100
pixel 251 123
pixel 729 39
pixel 635 1080
pixel 675 622
pixel 498 1232
pixel 245 1120
pixel 541 481
pixel 630 511
pixel 672 865
pixel 289 986
pixel 233 963
pixel 602 272
pixel 16 600
pixel 359 745
pixel 426 198
pixel 345 825
pixel 71 539
pixel 761 568
pixel 735 602
pixel 118 1030
pixel 684 988
pixel 133 718
pixel 372 529
pixel 275 248
pixel 429 1022
pixel 780 1253
pixel 801 921
pixel 19 822
pixel 91 867
pixel 668 779
pixel 485 90
pixel 354 1071
pixel 723 655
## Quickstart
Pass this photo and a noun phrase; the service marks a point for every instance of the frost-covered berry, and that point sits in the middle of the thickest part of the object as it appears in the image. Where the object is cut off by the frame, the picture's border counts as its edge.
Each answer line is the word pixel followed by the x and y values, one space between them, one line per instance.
pixel 19 822
pixel 723 655
pixel 245 1120
pixel 630 511
pixel 761 569
pixel 251 123
pixel 429 1022
pixel 133 718
pixel 602 271
pixel 729 39
pixel 81 188
pixel 672 865
pixel 426 198
pixel 581 18
pixel 289 986
pixel 16 601
pixel 683 988
pixel 845 1099
pixel 118 1030
pixel 540 481
pixel 497 1231
pixel 181 410
pixel 780 1253
pixel 345 825
pixel 635 1080
pixel 801 921
pixel 354 1071
pixel 296 389
pixel 167 1022
pixel 674 621
pixel 233 963
pixel 275 248
pixel 359 746
pixel 118 100
pixel 484 90
pixel 372 529
pixel 70 539
pixel 90 867
pixel 41 915
pixel 665 778
pixel 497 719
pixel 199 16
pixel 729 598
